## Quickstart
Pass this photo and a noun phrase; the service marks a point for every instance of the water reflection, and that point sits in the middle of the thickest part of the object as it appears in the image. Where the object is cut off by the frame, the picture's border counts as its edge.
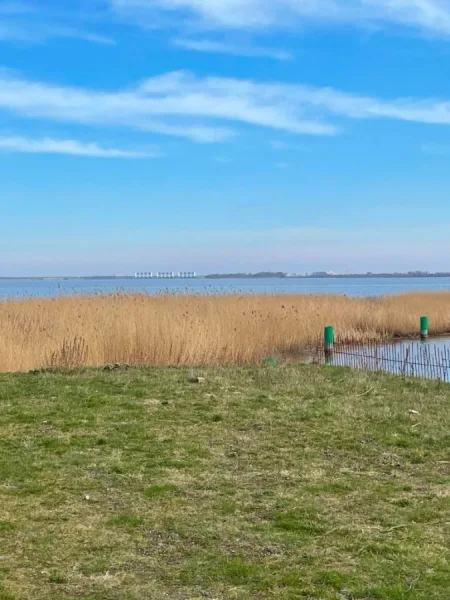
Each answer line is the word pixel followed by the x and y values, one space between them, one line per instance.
pixel 428 359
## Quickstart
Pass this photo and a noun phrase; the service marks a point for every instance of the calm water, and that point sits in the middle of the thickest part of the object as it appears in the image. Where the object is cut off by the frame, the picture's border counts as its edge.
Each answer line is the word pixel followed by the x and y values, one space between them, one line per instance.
pixel 429 359
pixel 350 287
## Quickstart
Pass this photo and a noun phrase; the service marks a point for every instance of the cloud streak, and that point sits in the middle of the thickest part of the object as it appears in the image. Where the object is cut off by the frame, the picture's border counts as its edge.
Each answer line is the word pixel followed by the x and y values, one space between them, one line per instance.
pixel 428 15
pixel 38 34
pixel 211 109
pixel 218 47
pixel 178 104
pixel 18 144
pixel 21 22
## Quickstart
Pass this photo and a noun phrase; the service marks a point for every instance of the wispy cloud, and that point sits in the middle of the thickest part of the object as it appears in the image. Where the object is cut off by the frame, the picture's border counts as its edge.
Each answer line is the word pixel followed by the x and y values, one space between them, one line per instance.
pixel 37 34
pixel 211 109
pixel 38 21
pixel 26 145
pixel 218 47
pixel 177 104
pixel 35 24
pixel 202 134
pixel 429 15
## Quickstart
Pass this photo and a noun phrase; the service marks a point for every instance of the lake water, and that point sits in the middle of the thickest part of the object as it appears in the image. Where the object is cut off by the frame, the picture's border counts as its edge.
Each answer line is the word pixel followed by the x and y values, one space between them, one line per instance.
pixel 429 359
pixel 352 287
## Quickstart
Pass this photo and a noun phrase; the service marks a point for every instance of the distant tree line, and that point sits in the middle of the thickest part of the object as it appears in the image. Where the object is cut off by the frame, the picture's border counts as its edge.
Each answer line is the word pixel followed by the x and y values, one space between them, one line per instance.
pixel 262 274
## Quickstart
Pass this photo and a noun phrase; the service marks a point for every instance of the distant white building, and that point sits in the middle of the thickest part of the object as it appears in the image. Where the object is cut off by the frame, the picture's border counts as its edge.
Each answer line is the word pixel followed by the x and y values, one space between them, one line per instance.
pixel 166 275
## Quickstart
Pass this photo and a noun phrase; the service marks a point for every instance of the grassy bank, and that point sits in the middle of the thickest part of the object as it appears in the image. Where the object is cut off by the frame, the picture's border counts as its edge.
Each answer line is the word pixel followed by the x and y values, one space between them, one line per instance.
pixel 196 330
pixel 297 482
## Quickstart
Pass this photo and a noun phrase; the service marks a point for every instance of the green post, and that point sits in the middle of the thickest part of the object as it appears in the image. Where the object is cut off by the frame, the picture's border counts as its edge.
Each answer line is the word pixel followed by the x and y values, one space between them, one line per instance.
pixel 424 326
pixel 329 339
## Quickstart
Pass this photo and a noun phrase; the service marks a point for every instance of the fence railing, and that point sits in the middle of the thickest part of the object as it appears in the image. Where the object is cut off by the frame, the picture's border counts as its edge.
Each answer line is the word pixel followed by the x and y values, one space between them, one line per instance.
pixel 425 360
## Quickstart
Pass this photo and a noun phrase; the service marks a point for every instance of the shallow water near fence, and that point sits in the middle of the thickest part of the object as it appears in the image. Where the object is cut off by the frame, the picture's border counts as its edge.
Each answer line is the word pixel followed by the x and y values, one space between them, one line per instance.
pixel 428 359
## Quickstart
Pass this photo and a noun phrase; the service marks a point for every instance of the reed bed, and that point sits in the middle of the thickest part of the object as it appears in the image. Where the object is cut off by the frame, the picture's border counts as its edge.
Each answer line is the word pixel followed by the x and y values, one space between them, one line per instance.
pixel 192 330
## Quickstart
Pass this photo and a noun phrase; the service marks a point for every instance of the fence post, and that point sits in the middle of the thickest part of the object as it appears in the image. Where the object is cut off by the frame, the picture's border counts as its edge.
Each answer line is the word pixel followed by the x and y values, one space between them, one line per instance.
pixel 329 339
pixel 424 326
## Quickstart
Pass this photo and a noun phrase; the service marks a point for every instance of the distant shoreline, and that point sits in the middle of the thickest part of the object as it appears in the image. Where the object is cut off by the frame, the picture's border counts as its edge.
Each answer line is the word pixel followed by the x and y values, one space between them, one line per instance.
pixel 235 276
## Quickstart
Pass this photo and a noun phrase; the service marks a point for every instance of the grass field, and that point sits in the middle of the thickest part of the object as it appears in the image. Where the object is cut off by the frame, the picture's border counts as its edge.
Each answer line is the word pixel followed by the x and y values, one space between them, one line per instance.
pixel 73 332
pixel 261 483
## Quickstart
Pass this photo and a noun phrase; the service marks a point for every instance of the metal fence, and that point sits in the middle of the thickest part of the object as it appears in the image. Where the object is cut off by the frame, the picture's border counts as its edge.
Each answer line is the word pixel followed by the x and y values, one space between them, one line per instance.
pixel 429 361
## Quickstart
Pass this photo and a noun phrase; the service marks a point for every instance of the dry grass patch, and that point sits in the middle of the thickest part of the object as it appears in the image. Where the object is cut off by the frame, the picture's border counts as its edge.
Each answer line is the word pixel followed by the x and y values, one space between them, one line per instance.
pixel 72 332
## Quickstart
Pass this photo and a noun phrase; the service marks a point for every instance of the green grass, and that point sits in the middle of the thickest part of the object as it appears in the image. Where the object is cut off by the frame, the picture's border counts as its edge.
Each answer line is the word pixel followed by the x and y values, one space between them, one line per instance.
pixel 289 482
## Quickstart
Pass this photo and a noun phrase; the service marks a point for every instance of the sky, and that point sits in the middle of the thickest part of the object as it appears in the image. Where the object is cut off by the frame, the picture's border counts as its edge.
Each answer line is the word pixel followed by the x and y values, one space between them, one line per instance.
pixel 224 136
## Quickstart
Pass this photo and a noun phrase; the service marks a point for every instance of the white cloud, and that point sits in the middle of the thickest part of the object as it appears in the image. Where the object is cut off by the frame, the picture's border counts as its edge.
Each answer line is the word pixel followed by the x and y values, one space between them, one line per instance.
pixel 37 34
pixel 30 24
pixel 429 15
pixel 72 147
pixel 170 104
pixel 36 22
pixel 217 47
pixel 202 109
pixel 203 134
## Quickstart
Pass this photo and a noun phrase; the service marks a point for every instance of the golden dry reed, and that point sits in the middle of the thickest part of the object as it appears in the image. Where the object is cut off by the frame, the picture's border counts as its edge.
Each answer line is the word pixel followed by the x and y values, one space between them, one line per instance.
pixel 194 330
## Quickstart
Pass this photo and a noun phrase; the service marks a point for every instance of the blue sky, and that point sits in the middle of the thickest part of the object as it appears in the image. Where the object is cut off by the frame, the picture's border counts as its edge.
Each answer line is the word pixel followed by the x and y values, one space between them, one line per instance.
pixel 218 135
